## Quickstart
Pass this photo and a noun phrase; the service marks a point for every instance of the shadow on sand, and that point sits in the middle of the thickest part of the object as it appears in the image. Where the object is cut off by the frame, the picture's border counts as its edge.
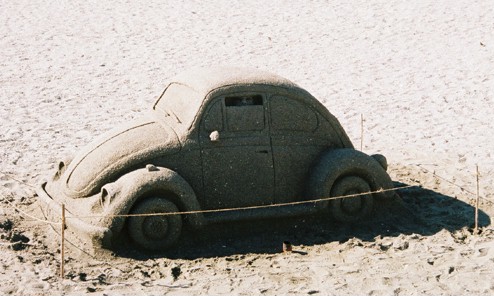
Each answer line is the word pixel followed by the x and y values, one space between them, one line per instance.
pixel 420 211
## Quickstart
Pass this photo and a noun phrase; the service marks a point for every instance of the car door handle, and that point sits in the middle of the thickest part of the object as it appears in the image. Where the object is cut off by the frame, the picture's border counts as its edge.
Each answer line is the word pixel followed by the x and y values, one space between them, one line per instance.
pixel 263 151
pixel 214 136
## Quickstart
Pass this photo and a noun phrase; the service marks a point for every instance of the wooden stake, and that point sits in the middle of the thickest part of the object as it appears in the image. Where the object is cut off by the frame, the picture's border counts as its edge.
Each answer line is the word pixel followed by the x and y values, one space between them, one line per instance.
pixel 361 131
pixel 62 251
pixel 476 229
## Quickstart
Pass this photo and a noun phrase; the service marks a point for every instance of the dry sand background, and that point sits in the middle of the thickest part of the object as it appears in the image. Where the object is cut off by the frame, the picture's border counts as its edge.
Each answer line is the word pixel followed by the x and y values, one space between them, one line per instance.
pixel 421 73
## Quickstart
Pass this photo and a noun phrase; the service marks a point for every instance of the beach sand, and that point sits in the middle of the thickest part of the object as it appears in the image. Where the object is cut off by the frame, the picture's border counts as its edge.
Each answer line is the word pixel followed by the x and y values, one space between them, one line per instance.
pixel 420 73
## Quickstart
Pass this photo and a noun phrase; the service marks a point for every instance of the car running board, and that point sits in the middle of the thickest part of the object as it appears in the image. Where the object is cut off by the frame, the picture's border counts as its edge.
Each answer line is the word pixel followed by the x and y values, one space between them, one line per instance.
pixel 262 213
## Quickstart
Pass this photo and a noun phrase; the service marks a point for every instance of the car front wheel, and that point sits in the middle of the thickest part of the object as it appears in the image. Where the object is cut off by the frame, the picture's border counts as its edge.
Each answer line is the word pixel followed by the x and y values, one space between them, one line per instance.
pixel 154 232
pixel 351 208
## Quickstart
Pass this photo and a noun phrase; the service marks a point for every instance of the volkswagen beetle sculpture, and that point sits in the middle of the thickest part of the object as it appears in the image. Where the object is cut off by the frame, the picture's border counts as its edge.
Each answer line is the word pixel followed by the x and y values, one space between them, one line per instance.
pixel 221 138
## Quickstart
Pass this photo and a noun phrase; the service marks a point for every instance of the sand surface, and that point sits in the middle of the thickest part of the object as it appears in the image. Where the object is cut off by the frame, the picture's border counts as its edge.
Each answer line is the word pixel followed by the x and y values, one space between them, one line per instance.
pixel 421 73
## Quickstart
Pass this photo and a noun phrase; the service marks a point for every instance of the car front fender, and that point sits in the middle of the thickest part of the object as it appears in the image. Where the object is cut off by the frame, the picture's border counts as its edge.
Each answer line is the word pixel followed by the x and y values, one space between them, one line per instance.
pixel 118 198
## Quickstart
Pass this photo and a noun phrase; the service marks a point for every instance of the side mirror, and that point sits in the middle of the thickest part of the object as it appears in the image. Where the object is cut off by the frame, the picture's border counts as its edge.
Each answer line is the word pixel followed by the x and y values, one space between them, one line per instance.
pixel 214 136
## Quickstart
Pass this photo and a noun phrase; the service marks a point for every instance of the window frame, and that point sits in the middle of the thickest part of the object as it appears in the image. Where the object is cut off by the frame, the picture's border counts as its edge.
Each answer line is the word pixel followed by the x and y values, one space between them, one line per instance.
pixel 272 118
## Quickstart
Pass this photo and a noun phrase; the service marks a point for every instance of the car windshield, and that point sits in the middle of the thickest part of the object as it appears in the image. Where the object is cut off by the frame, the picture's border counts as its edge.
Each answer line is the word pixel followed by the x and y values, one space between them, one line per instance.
pixel 179 103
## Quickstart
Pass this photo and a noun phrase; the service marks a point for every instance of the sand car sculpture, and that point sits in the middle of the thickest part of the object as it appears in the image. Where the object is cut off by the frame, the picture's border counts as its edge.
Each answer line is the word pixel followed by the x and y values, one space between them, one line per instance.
pixel 221 138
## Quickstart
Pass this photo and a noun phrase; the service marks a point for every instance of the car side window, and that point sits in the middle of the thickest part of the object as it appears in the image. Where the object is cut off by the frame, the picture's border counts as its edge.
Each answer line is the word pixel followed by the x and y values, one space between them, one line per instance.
pixel 291 115
pixel 214 118
pixel 244 113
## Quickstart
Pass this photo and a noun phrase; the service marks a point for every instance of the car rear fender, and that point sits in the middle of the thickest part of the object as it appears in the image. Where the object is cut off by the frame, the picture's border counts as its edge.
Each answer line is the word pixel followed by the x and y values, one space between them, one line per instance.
pixel 337 163
pixel 119 197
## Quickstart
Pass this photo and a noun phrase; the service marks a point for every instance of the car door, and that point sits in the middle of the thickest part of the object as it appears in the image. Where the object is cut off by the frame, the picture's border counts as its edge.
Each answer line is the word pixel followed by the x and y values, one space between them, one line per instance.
pixel 236 152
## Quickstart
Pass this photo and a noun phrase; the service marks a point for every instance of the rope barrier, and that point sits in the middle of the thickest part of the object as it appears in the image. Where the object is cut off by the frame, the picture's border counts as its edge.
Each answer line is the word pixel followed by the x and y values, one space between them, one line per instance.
pixel 229 209
pixel 34 219
pixel 16 243
pixel 64 217
pixel 454 184
pixel 206 211
pixel 17 180
pixel 246 208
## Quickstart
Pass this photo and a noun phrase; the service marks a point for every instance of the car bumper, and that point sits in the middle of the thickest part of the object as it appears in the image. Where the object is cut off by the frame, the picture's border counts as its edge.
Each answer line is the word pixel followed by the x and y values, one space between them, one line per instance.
pixel 81 235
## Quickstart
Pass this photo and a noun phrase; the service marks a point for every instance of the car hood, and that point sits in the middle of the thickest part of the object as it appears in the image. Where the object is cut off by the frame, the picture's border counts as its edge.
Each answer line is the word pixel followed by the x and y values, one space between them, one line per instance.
pixel 115 153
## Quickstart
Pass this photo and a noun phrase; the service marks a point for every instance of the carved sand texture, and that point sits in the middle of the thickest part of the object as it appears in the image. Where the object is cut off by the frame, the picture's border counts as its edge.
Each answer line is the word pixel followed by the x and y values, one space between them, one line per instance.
pixel 420 73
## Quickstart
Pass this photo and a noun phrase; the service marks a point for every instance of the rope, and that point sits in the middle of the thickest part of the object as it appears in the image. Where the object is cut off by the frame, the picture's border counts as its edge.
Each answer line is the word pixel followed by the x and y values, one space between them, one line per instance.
pixel 205 211
pixel 29 215
pixel 16 243
pixel 17 180
pixel 247 208
pixel 454 184
pixel 230 209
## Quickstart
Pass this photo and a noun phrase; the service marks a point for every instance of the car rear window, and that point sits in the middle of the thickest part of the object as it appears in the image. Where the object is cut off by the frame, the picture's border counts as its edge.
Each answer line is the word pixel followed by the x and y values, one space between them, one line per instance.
pixel 291 115
pixel 254 100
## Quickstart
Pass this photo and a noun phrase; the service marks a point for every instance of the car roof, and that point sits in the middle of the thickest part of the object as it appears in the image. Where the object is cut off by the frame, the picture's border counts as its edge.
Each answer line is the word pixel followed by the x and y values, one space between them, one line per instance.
pixel 205 80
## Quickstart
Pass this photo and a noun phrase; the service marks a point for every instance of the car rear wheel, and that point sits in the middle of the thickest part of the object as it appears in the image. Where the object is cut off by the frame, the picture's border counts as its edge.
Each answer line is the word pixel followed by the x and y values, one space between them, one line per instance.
pixel 154 233
pixel 353 208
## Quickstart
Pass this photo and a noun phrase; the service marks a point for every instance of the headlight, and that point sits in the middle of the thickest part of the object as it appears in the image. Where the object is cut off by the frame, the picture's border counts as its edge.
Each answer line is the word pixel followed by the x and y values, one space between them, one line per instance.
pixel 108 193
pixel 62 165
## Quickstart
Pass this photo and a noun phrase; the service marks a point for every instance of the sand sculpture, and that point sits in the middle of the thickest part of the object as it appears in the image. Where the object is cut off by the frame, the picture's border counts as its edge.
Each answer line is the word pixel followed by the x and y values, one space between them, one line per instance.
pixel 221 138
